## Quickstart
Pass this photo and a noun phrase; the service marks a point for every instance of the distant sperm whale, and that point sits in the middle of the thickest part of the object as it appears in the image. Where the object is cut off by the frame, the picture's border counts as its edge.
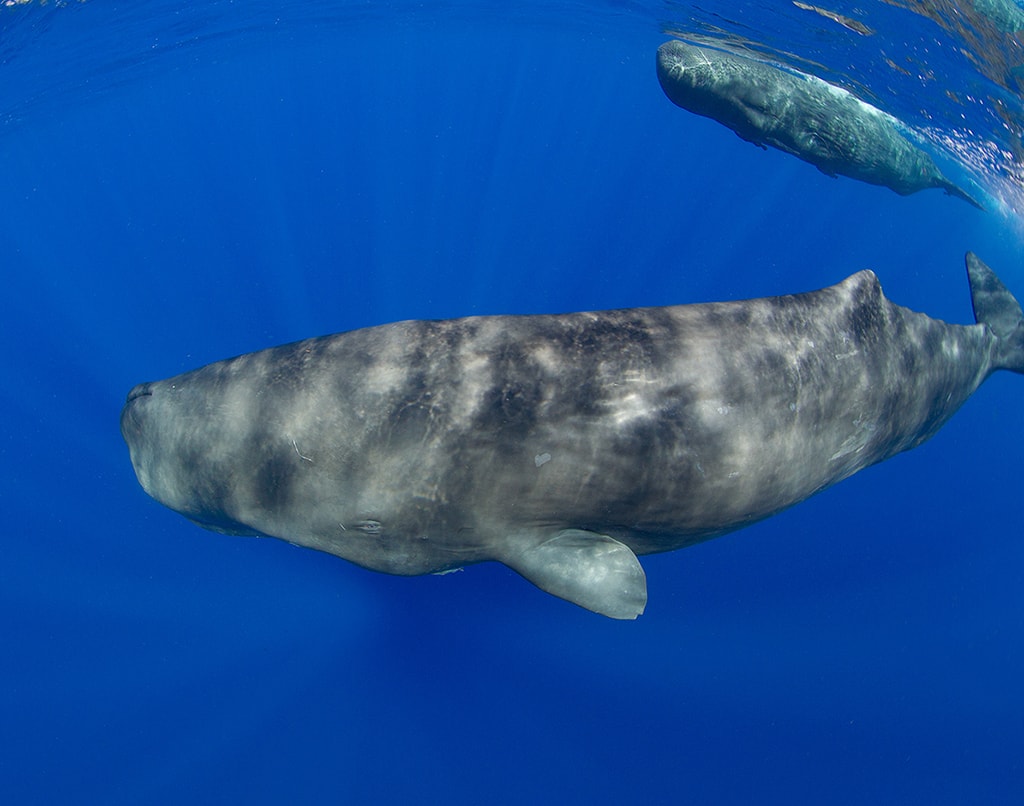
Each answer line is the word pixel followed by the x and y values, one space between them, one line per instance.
pixel 800 114
pixel 561 445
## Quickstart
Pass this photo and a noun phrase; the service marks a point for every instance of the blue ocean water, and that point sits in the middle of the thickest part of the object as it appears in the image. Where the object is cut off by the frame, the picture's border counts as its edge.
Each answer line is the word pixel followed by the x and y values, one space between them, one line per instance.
pixel 181 184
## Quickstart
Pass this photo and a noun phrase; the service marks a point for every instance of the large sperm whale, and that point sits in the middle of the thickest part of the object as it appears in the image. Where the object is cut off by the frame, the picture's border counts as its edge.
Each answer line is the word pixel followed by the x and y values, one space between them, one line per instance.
pixel 800 114
pixel 561 445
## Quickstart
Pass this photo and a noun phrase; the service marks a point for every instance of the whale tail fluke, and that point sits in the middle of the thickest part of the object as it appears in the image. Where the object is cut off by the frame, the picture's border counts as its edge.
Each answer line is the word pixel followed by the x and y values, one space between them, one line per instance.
pixel 997 308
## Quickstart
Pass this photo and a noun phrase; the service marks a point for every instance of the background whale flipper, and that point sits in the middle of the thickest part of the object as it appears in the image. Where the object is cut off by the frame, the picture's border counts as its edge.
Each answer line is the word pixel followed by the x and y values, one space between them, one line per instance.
pixel 591 570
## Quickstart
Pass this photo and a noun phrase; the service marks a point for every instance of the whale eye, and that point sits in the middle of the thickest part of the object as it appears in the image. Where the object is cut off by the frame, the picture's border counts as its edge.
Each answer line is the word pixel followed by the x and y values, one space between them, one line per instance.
pixel 370 527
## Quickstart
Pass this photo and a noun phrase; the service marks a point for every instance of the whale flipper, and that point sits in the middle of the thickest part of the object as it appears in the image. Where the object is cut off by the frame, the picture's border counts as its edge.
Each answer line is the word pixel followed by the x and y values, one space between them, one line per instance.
pixel 591 570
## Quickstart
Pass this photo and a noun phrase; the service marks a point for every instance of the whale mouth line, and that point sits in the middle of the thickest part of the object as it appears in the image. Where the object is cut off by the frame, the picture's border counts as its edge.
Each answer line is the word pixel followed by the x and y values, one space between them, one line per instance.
pixel 135 394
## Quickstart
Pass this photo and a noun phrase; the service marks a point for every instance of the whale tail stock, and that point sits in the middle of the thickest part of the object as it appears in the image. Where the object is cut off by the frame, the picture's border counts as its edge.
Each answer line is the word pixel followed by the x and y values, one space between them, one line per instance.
pixel 997 308
pixel 959 193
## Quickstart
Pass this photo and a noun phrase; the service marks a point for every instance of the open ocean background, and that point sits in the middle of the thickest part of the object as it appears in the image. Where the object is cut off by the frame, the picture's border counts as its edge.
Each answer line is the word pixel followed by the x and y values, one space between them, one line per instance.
pixel 183 182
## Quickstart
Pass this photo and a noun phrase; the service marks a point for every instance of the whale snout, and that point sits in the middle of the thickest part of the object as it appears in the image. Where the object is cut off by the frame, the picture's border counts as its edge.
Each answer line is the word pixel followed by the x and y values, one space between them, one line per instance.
pixel 131 420
pixel 140 390
pixel 682 64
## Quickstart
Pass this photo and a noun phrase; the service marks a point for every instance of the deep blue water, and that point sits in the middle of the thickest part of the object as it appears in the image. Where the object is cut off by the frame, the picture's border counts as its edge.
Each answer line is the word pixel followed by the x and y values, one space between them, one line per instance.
pixel 183 184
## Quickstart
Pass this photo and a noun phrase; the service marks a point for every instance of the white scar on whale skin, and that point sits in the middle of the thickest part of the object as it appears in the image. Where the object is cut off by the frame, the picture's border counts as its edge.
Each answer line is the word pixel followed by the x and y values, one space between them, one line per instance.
pixel 299 453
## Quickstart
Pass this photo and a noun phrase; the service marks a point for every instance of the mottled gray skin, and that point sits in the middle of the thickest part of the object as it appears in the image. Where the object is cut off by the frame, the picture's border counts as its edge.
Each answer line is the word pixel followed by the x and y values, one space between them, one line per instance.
pixel 560 445
pixel 799 114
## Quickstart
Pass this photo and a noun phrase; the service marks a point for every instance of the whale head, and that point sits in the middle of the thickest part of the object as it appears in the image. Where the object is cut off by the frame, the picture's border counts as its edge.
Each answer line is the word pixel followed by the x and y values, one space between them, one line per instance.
pixel 182 455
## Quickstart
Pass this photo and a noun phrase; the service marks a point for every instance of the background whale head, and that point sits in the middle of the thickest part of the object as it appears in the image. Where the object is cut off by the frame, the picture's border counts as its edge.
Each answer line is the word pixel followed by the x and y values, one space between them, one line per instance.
pixel 696 81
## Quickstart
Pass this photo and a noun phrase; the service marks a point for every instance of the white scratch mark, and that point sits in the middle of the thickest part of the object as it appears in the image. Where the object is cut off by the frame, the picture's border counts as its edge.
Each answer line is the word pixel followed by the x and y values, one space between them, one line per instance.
pixel 300 453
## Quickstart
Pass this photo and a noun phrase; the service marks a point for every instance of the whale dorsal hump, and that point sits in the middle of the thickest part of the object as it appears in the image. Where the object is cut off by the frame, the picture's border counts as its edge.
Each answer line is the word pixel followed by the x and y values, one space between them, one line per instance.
pixel 591 570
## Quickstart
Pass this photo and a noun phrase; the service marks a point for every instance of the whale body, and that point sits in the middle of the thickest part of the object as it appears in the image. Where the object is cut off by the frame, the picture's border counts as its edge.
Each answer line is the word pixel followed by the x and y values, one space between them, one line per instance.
pixel 561 445
pixel 800 114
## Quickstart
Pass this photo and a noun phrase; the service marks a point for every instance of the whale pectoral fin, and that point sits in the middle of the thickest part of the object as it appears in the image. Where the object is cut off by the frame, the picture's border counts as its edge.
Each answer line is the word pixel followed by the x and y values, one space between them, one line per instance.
pixel 591 570
pixel 752 141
